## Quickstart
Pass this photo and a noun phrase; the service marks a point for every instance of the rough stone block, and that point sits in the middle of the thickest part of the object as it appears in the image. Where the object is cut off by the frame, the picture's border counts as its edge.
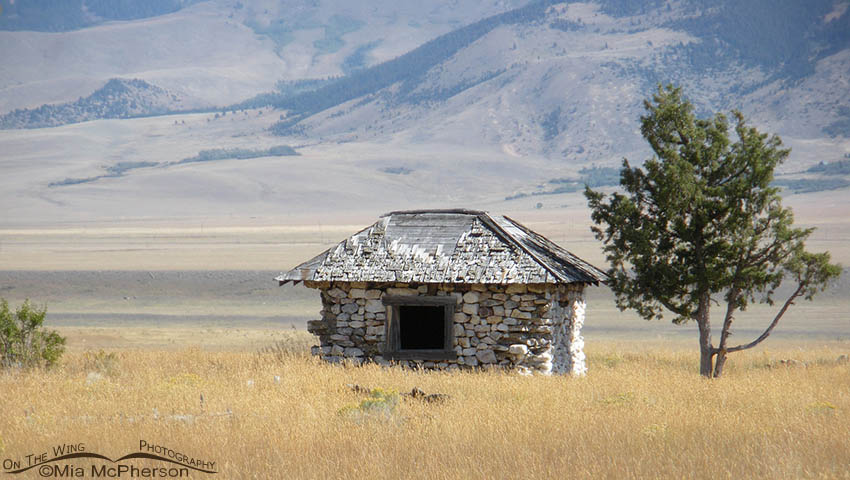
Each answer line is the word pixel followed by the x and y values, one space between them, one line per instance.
pixel 470 308
pixel 336 293
pixel 470 297
pixel 486 356
pixel 458 330
pixel 402 291
pixel 518 349
pixel 374 306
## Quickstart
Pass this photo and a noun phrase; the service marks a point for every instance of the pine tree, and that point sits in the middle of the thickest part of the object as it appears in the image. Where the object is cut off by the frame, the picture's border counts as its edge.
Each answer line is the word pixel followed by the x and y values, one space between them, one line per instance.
pixel 701 222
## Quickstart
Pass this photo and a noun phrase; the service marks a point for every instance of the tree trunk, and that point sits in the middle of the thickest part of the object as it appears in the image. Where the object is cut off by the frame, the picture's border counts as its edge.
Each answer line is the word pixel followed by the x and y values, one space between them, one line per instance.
pixel 725 332
pixel 706 350
pixel 719 362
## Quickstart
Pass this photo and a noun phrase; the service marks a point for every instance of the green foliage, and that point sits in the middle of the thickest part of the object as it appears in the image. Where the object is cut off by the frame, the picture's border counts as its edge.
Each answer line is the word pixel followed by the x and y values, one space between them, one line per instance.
pixel 24 342
pixel 841 167
pixel 590 177
pixel 101 362
pixel 566 25
pixel 628 8
pixel 239 154
pixel 380 404
pixel 118 98
pixel 841 126
pixel 551 124
pixel 357 60
pixel 784 36
pixel 338 25
pixel 397 170
pixel 806 185
pixel 700 220
pixel 277 31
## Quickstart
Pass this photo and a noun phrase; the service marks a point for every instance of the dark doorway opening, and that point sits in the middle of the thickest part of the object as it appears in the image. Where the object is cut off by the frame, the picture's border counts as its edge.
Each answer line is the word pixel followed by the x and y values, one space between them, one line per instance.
pixel 422 327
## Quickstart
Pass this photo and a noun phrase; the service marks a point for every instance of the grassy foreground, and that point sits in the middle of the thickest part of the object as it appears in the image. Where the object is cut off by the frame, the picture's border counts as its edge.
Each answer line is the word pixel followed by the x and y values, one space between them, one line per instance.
pixel 642 412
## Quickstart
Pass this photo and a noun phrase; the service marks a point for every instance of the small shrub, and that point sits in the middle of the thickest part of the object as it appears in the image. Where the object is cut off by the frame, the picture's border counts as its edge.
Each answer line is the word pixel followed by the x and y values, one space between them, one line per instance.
pixel 821 408
pixel 101 362
pixel 380 404
pixel 24 342
pixel 619 399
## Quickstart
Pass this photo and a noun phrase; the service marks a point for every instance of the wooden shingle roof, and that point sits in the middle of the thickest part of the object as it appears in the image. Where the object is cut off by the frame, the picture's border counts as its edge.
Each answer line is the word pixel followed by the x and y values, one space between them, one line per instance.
pixel 446 246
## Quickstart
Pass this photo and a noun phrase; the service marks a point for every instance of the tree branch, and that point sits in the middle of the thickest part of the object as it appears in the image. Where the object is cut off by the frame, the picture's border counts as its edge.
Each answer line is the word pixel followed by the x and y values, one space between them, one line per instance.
pixel 773 324
pixel 678 310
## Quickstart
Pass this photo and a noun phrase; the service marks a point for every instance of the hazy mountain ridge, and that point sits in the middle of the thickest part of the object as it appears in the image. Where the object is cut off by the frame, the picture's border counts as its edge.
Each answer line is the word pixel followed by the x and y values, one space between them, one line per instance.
pixel 119 98
pixel 67 15
pixel 502 106
pixel 550 65
pixel 217 52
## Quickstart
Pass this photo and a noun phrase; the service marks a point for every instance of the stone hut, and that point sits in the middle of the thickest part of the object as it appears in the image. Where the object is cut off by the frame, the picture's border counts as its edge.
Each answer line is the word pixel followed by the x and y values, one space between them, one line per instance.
pixel 450 289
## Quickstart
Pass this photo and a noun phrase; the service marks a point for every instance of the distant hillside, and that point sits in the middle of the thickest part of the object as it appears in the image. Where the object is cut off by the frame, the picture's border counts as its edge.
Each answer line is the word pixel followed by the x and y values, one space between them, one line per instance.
pixel 67 15
pixel 119 98
pixel 407 70
pixel 785 37
pixel 567 80
pixel 557 79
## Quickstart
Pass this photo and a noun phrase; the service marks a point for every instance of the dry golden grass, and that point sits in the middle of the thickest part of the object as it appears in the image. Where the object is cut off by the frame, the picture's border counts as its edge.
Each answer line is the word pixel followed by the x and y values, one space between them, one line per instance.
pixel 642 412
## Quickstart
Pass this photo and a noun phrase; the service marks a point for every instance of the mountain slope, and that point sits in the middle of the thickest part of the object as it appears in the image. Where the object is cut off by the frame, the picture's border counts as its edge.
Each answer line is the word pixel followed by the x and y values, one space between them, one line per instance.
pixel 214 52
pixel 567 80
pixel 119 98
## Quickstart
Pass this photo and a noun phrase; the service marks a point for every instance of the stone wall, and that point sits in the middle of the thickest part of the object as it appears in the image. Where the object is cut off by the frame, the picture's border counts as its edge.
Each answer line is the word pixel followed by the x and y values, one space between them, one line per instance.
pixel 532 328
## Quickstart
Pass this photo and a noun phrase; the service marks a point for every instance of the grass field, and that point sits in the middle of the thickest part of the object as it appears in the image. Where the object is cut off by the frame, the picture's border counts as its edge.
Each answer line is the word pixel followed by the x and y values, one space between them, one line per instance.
pixel 159 315
pixel 642 412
